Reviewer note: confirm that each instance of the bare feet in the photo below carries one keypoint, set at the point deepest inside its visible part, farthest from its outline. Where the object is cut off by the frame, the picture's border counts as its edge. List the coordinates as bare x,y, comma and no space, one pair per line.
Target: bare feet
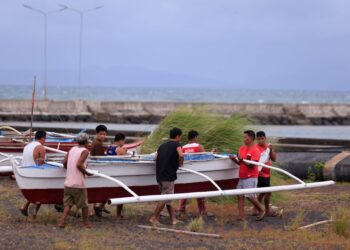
154,221
271,213
86,225
260,216
175,222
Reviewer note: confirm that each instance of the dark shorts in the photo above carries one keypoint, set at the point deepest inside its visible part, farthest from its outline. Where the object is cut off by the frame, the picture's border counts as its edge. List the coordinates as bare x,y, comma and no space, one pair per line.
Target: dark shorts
264,182
75,196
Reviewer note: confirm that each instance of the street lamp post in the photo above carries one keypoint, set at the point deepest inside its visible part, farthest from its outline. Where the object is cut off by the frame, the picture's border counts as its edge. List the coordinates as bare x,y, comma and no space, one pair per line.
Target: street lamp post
45,14
81,14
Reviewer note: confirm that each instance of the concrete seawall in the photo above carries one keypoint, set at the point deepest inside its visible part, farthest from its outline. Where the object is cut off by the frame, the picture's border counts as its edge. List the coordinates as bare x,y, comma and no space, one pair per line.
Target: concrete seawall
152,112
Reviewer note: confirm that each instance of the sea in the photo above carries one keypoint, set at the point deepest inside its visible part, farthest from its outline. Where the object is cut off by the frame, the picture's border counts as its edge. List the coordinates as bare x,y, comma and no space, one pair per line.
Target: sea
206,95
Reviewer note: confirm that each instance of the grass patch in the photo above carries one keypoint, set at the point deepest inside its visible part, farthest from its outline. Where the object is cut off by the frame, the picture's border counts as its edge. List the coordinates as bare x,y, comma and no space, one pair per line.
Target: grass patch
341,222
296,222
196,225
224,133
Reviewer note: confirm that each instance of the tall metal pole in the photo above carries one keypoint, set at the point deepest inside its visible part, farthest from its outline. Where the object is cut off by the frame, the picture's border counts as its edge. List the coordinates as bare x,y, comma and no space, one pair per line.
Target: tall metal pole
80,51
45,56
32,111
45,39
81,14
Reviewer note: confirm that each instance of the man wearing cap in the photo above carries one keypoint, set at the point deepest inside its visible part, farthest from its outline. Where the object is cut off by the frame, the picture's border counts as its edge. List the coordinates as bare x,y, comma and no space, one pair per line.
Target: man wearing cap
75,192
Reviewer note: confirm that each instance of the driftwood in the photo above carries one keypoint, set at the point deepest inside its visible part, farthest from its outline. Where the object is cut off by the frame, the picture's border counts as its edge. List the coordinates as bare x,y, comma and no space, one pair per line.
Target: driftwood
181,231
316,224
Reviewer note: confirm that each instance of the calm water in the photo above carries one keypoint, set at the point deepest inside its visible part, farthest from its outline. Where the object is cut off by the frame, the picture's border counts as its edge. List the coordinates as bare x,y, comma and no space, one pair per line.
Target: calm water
179,95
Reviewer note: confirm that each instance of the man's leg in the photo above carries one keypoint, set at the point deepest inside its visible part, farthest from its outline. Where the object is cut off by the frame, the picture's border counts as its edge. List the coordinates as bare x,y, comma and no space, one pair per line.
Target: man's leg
201,206
24,209
85,212
64,216
37,208
155,217
257,205
119,211
173,219
240,203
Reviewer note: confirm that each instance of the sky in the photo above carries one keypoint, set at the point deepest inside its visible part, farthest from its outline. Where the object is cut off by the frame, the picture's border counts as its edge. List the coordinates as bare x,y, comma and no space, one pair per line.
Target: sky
243,44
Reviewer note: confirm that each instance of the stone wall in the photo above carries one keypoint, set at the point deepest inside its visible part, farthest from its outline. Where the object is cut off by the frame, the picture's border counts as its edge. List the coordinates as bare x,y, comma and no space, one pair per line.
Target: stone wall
152,112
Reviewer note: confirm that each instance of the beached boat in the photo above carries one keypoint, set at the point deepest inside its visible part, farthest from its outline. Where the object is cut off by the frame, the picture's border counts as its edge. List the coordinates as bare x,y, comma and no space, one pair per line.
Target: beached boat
45,184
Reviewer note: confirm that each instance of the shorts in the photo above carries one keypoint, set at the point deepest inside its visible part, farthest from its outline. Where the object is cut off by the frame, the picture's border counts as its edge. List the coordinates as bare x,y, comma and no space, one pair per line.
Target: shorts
264,182
248,183
166,187
75,196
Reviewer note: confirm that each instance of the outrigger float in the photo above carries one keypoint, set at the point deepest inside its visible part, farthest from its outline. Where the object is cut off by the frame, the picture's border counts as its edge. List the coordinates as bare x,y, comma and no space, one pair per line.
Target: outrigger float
130,179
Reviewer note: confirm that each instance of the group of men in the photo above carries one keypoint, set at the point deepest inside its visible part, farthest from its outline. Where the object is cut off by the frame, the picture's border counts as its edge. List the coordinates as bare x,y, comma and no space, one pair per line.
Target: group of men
169,157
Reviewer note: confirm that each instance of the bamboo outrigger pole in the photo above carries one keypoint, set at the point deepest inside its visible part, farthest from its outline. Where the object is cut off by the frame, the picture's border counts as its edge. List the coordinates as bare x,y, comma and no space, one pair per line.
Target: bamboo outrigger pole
32,112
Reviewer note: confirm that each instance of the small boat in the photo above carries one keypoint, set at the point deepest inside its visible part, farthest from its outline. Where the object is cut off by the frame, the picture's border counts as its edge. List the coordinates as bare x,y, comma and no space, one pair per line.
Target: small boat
44,184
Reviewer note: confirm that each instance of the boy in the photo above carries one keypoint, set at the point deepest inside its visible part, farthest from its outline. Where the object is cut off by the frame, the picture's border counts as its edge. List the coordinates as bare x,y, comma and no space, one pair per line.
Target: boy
264,174
193,146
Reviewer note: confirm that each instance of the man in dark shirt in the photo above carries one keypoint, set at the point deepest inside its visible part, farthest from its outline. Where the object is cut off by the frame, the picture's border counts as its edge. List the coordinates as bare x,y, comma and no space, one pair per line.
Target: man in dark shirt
97,149
169,159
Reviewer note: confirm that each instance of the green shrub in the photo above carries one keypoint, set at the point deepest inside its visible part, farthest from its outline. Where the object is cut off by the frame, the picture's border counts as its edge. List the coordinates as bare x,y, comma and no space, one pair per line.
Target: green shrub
224,133
315,172
341,222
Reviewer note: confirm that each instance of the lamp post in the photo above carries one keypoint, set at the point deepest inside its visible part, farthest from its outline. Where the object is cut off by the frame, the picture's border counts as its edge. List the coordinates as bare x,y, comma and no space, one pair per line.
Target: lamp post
45,14
81,14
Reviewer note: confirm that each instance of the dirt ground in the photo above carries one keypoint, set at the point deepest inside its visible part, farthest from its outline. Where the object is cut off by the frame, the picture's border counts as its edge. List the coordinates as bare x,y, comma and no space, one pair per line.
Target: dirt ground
300,208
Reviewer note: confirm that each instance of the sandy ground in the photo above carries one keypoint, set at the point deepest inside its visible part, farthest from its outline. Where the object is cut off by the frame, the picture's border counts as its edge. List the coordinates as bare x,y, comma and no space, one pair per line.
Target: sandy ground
301,208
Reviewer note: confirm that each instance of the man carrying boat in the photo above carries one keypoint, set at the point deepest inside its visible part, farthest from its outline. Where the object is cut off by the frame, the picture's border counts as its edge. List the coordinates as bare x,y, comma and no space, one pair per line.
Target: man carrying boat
75,192
118,149
268,153
248,174
97,149
169,159
34,155
193,147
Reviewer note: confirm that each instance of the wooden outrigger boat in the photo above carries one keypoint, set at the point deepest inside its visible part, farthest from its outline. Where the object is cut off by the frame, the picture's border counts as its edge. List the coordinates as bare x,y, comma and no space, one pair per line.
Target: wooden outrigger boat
128,180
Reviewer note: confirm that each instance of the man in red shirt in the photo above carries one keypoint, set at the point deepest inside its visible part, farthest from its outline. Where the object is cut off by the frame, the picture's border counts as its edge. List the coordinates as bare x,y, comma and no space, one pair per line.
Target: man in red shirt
267,153
193,146
248,174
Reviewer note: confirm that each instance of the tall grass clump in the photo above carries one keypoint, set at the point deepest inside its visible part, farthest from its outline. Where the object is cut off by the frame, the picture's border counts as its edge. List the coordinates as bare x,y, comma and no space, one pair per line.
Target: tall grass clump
341,222
196,225
224,133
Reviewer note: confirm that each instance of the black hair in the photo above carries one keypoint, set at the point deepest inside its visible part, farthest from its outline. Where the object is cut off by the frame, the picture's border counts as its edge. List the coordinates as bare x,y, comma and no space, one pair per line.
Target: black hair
175,132
260,134
250,133
119,137
40,134
101,128
192,134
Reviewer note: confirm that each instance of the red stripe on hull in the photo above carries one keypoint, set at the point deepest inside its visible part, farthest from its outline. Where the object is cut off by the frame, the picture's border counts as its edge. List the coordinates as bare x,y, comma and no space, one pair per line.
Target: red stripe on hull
96,195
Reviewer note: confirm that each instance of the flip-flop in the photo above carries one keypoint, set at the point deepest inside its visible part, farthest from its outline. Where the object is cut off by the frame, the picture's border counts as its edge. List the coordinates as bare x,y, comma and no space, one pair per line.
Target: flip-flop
61,226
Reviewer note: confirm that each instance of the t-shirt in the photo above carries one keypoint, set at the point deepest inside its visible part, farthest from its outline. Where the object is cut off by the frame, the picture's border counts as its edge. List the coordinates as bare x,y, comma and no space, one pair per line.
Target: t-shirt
244,170
111,150
191,148
167,161
97,148
264,172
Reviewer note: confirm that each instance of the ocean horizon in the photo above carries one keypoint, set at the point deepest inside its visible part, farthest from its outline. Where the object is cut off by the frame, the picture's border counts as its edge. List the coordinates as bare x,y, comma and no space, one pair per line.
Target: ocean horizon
169,94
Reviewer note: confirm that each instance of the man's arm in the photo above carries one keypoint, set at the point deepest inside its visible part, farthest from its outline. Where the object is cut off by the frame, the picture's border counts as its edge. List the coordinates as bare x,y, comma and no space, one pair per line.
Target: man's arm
39,154
80,165
201,148
181,156
121,151
65,161
273,155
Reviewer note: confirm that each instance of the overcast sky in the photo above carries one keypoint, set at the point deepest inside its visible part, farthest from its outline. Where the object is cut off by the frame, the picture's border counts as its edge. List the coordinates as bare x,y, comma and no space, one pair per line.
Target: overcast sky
274,44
